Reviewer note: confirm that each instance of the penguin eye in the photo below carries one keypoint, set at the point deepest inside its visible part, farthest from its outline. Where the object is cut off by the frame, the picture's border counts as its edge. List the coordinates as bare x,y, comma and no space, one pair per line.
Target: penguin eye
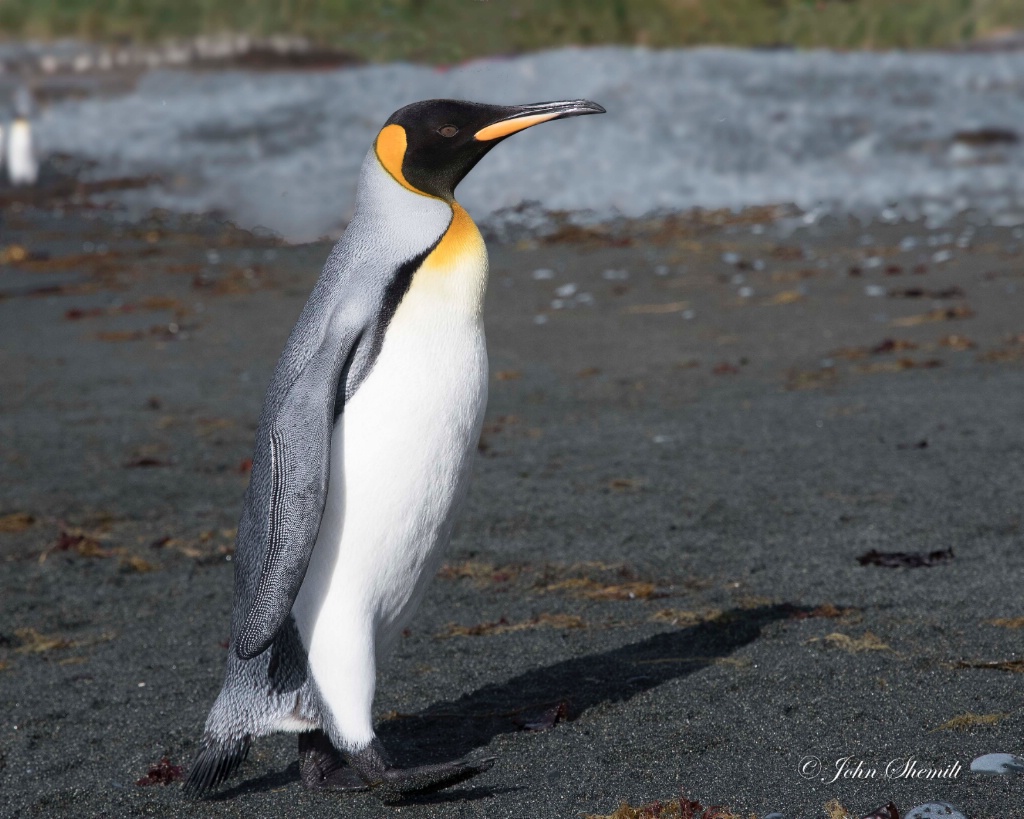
447,130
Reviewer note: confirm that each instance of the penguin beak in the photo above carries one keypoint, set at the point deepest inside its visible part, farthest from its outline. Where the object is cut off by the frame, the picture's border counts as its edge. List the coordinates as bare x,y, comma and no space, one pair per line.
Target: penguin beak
523,116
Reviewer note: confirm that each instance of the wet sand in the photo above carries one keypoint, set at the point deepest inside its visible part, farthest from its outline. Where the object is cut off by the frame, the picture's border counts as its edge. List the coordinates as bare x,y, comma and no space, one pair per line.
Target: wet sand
660,549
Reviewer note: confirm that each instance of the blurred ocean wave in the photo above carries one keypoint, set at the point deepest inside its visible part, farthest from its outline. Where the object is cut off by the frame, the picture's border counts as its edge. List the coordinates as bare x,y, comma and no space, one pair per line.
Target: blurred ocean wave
897,135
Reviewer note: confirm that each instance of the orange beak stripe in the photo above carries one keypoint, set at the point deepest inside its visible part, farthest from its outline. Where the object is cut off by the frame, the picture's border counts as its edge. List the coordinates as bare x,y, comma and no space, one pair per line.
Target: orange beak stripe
511,126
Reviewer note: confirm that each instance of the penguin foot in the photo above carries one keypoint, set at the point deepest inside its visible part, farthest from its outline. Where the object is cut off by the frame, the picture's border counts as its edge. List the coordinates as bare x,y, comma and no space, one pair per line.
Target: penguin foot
322,766
392,784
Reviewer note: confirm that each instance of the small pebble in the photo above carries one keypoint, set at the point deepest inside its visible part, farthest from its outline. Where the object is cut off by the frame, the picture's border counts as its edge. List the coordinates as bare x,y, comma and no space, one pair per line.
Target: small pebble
565,291
540,319
941,256
874,290
543,273
934,810
731,258
998,764
746,292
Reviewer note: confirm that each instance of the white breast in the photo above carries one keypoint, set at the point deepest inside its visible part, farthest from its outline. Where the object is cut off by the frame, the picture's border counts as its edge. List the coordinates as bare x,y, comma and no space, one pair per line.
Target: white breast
401,454
400,461
22,167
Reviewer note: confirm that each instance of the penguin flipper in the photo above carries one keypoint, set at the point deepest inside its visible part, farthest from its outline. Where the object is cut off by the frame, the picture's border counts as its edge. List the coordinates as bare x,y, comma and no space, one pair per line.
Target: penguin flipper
300,456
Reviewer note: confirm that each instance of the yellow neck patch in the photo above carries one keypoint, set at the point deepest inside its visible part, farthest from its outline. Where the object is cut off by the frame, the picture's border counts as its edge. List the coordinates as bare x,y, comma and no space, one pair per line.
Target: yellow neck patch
390,146
456,271
462,240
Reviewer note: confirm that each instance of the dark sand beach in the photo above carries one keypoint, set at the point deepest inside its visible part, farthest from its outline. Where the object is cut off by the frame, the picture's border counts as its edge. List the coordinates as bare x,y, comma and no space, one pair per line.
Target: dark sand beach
654,588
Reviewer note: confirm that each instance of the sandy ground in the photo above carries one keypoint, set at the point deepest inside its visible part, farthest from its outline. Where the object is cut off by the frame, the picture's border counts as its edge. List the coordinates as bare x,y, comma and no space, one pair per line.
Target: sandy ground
676,479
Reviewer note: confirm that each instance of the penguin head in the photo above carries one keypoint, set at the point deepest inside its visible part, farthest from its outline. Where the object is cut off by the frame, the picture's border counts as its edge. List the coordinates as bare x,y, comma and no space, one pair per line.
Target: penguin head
23,103
430,146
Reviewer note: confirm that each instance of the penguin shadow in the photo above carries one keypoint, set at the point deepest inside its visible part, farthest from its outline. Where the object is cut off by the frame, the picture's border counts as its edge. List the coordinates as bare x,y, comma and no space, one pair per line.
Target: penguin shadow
268,782
543,696
287,777
465,794
565,690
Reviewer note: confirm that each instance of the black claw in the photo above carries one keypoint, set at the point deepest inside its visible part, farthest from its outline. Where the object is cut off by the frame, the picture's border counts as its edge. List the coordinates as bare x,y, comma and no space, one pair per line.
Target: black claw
401,782
323,767
392,784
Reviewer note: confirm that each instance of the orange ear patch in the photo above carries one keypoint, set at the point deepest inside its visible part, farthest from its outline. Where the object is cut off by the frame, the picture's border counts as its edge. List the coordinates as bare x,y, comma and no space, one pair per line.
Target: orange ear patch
390,146
510,126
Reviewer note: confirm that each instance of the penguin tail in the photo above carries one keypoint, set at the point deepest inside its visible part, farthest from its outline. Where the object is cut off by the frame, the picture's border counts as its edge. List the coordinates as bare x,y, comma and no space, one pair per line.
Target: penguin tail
216,761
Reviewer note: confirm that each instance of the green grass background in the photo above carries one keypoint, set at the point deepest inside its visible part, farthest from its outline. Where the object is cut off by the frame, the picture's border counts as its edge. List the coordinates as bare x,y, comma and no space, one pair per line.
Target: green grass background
452,30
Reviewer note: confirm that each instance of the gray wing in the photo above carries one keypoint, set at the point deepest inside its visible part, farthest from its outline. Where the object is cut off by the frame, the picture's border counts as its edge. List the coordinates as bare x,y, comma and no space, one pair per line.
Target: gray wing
288,489
329,352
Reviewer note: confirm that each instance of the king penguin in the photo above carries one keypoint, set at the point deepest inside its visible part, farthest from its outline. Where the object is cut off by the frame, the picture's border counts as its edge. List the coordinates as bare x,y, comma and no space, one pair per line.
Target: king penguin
22,164
362,459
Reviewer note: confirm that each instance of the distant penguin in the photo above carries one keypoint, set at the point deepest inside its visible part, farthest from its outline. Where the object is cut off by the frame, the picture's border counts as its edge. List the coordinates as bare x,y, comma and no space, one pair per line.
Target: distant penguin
22,164
362,459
